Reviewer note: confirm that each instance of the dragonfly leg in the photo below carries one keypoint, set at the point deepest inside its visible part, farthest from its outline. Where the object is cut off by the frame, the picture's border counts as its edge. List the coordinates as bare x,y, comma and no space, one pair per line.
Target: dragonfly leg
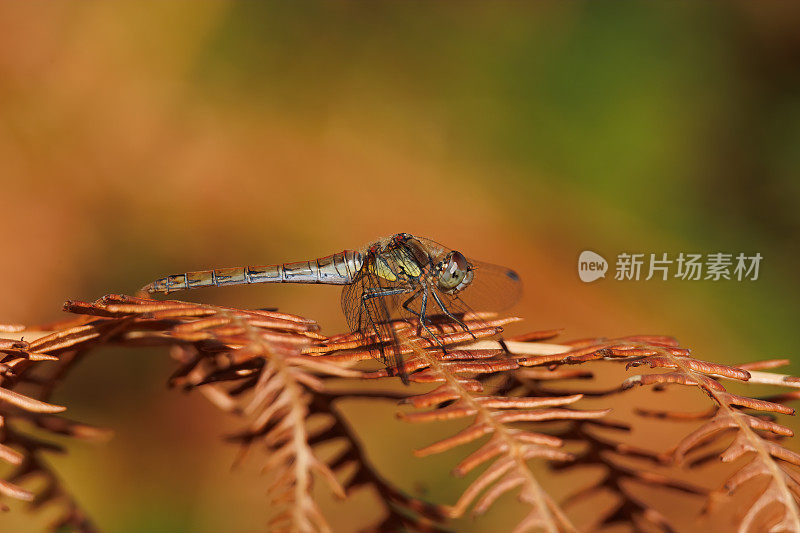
383,292
450,315
411,298
423,319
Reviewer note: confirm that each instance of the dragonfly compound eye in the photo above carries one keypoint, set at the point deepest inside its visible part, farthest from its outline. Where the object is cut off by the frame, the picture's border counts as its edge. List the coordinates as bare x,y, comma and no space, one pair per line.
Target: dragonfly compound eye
456,273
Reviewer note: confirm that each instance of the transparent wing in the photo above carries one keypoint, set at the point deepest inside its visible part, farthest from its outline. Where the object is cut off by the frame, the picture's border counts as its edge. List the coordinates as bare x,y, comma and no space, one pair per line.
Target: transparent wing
494,288
371,316
351,305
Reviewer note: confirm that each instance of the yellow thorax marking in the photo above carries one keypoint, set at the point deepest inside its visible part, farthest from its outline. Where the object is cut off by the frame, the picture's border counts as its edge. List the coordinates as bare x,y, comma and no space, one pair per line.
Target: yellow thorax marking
381,269
409,263
380,266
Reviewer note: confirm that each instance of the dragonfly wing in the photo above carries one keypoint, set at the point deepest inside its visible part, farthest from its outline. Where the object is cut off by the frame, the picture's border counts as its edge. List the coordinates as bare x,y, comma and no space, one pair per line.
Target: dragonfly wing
371,317
493,288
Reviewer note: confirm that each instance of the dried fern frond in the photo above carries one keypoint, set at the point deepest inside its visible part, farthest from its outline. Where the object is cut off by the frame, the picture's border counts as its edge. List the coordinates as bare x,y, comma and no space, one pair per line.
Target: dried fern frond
254,363
753,433
21,365
460,395
603,445
257,364
769,457
277,371
509,448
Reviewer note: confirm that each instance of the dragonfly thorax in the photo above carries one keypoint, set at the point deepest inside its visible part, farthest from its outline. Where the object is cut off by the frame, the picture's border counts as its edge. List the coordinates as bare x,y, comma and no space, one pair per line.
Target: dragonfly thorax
404,259
395,263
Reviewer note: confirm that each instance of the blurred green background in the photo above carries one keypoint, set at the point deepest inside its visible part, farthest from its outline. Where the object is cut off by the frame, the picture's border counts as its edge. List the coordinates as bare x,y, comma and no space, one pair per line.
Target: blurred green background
141,139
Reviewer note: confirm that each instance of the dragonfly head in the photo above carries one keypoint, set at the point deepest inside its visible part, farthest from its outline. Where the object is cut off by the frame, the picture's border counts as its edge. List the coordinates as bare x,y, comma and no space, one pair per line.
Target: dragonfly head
455,273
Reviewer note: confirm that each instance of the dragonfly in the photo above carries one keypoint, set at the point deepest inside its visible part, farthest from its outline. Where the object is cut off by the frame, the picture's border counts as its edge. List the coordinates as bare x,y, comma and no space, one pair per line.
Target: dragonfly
399,277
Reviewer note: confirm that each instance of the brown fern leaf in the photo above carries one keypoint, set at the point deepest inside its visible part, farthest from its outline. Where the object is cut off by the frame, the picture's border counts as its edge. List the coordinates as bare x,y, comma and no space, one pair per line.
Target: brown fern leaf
509,448
607,452
31,467
458,370
770,457
20,361
279,410
264,350
610,453
264,365
403,511
354,347
277,371
753,434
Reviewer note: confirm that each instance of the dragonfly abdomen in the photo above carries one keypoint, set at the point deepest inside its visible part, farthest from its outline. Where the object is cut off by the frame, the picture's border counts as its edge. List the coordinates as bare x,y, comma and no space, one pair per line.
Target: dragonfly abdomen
336,269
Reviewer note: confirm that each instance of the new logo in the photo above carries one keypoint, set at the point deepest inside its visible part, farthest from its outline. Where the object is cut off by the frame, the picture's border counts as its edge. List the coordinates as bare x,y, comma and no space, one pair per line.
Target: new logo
591,266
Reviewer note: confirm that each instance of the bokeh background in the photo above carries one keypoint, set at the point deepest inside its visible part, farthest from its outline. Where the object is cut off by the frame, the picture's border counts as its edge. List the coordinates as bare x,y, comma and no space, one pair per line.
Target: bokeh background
141,139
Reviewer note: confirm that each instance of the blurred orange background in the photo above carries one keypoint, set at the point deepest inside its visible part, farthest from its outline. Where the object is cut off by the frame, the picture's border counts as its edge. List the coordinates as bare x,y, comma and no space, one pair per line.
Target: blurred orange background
143,139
